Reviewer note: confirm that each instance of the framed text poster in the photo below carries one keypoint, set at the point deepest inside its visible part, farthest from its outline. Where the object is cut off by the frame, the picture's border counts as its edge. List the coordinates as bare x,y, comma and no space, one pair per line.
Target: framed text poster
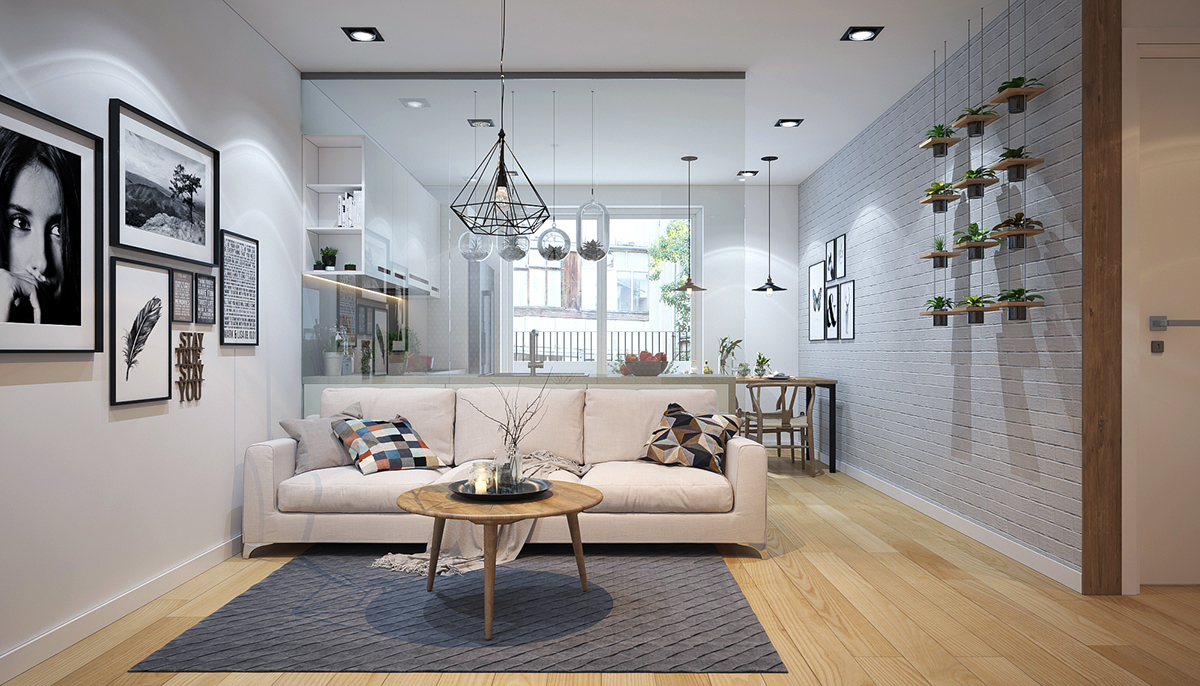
239,289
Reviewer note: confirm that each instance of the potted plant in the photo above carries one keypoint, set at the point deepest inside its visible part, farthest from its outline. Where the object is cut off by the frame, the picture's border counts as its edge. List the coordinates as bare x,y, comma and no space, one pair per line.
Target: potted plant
975,180
1017,162
349,267
399,346
329,257
975,118
940,194
939,253
939,307
1018,301
743,369
975,306
974,239
761,363
318,266
941,137
332,353
1023,87
1016,228
727,348
364,359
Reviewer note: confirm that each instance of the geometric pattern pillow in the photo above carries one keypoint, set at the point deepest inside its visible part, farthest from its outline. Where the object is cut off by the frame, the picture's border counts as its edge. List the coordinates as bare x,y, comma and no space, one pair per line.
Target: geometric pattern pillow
691,440
377,446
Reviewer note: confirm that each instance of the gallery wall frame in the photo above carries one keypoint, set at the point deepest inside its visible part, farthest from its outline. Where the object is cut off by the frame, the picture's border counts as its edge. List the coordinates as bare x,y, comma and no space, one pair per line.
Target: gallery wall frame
831,259
816,302
140,328
206,299
839,248
182,296
239,289
833,312
164,187
846,300
51,280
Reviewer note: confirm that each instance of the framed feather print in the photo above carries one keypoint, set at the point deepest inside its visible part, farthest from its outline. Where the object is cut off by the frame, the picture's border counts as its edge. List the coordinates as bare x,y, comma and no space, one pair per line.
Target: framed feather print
140,325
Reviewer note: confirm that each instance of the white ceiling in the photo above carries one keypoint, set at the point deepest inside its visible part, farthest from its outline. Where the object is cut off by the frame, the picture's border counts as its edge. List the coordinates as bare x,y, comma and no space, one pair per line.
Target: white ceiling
795,65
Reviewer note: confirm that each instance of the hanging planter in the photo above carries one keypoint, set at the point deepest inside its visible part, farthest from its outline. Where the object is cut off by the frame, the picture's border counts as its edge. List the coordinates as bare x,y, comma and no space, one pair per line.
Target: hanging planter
940,140
1016,163
592,246
473,247
940,195
1017,93
975,180
554,244
974,306
940,309
974,239
975,119
1016,228
513,248
1018,301
939,253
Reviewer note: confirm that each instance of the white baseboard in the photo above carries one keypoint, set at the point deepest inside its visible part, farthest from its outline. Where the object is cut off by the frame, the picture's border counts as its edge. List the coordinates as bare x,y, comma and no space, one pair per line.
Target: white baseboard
1036,561
38,649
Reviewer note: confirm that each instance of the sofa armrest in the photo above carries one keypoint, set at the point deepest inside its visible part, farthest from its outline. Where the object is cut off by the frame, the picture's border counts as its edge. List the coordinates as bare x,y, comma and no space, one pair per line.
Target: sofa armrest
746,469
266,466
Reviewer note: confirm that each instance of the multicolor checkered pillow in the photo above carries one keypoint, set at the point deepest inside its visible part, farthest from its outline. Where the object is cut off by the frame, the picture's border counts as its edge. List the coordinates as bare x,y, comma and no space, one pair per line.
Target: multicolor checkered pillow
691,440
377,446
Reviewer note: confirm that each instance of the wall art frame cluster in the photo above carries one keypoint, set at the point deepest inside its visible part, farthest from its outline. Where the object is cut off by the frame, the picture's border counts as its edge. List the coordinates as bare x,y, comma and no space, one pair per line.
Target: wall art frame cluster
830,305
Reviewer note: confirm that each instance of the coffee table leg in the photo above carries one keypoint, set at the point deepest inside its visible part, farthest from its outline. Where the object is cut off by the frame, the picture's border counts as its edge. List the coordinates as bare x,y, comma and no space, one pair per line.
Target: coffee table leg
439,525
573,524
489,576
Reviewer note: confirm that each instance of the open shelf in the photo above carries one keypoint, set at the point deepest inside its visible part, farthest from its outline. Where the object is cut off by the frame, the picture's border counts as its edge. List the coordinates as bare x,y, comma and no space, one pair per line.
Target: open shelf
335,230
941,253
1017,232
933,198
977,244
930,142
1027,161
966,183
334,187
1003,96
984,119
1020,303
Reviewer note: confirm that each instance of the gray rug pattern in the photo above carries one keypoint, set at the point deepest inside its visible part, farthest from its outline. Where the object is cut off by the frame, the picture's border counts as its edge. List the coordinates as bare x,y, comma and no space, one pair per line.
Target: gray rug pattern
650,608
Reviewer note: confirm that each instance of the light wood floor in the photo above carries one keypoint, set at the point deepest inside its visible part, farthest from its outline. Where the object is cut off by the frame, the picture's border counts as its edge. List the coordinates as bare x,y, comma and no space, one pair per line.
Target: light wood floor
855,588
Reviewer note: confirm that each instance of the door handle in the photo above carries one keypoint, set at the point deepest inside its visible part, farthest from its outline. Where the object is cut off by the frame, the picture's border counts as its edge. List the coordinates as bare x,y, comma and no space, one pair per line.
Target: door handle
1161,323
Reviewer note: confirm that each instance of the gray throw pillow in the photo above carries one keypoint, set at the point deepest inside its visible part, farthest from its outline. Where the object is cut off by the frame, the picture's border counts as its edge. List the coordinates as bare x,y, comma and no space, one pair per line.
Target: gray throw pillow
318,447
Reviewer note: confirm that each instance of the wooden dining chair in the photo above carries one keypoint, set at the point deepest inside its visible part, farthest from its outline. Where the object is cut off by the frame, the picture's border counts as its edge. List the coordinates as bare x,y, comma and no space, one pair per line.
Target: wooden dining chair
782,419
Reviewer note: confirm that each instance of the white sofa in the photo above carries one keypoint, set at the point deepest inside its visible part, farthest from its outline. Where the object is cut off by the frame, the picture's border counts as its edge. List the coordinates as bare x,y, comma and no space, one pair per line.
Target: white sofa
644,502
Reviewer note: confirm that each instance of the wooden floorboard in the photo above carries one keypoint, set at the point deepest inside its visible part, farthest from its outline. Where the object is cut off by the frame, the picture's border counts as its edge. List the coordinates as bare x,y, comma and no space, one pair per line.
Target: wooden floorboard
854,589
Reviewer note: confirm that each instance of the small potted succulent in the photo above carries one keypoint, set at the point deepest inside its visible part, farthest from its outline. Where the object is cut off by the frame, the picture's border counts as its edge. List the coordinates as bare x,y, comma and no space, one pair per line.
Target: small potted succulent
328,258
974,239
939,253
975,180
975,118
939,307
318,266
941,137
940,195
1023,88
1016,228
1018,301
349,267
1017,162
975,306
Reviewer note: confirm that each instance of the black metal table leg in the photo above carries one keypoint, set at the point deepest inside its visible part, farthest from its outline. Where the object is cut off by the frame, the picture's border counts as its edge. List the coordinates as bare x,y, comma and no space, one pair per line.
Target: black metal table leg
832,427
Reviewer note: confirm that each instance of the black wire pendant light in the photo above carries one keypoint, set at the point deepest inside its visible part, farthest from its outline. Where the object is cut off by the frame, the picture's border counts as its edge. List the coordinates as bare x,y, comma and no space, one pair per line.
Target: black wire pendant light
496,209
689,286
769,287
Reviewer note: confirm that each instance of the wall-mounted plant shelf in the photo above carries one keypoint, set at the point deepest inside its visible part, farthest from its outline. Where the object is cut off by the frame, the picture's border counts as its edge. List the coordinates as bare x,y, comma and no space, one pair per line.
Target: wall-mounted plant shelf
974,187
940,146
974,314
939,257
941,203
940,317
1018,309
1016,237
1017,167
1016,98
975,123
975,248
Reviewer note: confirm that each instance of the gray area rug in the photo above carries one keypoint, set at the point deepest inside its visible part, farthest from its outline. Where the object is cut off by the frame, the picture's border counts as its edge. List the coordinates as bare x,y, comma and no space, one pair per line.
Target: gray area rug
650,608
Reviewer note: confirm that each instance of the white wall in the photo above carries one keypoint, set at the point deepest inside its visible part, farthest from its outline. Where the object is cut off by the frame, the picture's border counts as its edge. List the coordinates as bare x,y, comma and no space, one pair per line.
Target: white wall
102,509
772,327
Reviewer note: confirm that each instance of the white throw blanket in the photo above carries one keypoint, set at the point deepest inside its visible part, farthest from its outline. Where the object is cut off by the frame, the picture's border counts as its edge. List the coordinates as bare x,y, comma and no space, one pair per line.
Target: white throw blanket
462,541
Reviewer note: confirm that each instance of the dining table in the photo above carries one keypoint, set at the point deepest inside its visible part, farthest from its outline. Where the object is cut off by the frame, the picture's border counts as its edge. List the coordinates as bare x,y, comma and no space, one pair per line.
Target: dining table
811,382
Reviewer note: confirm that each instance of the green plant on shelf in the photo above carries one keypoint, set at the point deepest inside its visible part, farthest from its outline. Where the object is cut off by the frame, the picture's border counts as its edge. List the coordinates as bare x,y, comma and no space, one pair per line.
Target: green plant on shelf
1018,221
939,244
984,111
1020,82
980,173
976,301
973,234
1014,153
939,303
939,188
726,347
329,252
941,131
1019,295
761,364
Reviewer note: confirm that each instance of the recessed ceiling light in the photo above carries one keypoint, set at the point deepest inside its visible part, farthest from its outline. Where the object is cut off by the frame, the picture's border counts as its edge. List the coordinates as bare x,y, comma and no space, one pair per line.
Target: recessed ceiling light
745,174
862,33
415,103
788,123
363,34
481,123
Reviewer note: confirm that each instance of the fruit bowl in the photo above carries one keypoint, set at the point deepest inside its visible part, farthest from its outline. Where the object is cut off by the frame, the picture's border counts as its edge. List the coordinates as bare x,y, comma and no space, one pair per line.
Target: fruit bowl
651,368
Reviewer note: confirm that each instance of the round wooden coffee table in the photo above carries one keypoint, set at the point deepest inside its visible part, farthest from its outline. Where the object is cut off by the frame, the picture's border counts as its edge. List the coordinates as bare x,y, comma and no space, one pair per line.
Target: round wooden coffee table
439,502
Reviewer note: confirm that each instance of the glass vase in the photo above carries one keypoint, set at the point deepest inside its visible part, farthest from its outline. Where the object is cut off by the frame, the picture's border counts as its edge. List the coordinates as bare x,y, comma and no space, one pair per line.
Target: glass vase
508,469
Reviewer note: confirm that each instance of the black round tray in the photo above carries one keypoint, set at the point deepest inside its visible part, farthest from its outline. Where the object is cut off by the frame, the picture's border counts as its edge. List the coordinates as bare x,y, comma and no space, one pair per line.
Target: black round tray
528,489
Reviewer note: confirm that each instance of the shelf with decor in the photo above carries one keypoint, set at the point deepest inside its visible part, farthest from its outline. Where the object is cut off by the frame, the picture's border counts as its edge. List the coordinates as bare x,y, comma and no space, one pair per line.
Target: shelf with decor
1017,167
975,123
939,145
939,257
1017,92
975,186
940,201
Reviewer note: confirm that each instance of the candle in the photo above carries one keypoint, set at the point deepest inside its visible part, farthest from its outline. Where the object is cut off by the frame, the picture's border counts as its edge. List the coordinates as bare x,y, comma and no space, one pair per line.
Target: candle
481,482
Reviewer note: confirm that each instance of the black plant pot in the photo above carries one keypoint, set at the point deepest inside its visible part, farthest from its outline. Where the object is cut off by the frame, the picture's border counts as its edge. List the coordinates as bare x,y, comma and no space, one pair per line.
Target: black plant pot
974,129
940,149
1017,172
975,253
318,266
1018,314
1016,241
939,262
941,206
941,320
1016,104
975,191
349,267
328,260
975,317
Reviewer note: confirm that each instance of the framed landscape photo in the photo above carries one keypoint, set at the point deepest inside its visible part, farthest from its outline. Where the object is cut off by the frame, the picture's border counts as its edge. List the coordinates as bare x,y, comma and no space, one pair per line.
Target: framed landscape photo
816,302
833,312
163,187
182,299
206,299
239,289
51,254
846,323
839,249
140,363
831,259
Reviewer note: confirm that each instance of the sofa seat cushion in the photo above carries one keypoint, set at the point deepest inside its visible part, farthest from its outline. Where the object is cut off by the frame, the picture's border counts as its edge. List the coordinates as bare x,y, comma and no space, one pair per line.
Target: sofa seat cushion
345,489
650,487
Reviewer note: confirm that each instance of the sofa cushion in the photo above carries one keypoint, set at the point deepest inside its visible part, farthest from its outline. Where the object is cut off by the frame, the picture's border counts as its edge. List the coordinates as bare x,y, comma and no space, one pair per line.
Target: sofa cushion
345,489
429,410
558,428
618,422
317,446
651,487
378,446
691,440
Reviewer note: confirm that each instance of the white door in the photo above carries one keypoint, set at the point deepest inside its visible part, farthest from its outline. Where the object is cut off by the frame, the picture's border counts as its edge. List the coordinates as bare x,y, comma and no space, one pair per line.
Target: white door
1168,283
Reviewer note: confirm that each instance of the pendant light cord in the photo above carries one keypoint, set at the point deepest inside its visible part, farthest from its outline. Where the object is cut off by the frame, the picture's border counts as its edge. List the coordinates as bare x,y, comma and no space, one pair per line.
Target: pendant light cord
553,153
503,18
769,220
593,146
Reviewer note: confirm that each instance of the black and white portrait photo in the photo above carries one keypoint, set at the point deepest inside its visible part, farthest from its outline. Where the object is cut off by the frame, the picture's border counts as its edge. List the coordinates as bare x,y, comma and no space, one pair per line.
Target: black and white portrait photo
816,302
846,325
48,242
164,187
839,249
833,312
140,319
831,260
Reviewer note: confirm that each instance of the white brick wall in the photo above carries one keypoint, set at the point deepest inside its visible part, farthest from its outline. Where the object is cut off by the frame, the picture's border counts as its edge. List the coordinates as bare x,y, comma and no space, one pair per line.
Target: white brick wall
983,420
